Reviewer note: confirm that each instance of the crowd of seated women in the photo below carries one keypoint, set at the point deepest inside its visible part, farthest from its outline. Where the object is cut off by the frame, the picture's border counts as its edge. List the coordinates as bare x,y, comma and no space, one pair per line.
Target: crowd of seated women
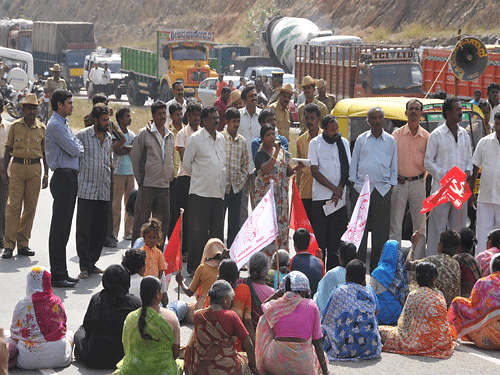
245,326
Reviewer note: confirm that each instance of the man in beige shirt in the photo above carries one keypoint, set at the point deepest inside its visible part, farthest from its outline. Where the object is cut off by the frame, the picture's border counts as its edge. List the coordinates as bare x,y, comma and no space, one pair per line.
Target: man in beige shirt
4,186
411,140
308,87
312,115
53,83
283,117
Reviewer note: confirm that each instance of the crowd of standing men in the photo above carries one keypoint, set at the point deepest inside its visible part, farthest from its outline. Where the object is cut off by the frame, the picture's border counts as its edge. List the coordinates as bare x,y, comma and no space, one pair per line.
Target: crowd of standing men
203,161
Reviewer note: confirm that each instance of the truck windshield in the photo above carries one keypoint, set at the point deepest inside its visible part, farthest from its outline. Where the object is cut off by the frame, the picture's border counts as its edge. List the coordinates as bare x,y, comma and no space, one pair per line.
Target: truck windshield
76,58
184,53
114,67
396,78
13,63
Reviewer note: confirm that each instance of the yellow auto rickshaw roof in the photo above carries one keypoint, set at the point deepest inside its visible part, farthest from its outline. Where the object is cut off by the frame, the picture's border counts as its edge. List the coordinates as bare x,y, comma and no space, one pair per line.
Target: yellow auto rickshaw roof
394,107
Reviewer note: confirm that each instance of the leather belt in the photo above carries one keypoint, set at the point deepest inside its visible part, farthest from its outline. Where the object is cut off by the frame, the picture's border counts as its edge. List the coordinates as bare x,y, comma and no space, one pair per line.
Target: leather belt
414,177
26,161
66,170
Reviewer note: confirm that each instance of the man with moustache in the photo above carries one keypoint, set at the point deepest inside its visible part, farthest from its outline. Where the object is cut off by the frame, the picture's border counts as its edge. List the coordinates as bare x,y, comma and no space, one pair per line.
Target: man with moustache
493,101
178,91
94,191
153,164
249,129
308,88
312,115
448,146
280,108
411,140
375,154
221,105
26,144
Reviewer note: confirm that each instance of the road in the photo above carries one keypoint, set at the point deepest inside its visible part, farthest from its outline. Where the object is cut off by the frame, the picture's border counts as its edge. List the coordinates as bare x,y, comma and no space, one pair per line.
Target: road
467,359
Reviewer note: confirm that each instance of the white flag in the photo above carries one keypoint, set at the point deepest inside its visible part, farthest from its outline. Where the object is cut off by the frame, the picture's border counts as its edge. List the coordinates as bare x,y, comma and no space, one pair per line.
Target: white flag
259,230
356,228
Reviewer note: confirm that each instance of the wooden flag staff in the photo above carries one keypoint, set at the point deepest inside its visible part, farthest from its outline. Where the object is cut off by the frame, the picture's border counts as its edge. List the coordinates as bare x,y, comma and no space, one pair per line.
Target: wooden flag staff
180,254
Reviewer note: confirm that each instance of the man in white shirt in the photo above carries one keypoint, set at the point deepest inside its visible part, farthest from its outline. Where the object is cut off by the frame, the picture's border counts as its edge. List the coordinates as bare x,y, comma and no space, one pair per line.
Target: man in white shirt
106,79
330,158
249,129
178,91
487,157
95,78
204,160
448,146
493,100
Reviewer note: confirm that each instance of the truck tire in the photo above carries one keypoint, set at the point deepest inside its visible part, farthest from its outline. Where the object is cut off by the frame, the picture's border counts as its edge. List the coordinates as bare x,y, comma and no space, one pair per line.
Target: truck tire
131,92
166,93
140,99
117,94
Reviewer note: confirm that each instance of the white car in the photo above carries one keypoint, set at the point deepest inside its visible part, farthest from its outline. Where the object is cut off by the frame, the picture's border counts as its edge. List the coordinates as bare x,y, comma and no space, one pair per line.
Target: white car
208,87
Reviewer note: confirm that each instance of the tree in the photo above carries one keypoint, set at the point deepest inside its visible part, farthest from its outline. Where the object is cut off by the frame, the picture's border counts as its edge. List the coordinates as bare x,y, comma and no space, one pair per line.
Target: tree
256,18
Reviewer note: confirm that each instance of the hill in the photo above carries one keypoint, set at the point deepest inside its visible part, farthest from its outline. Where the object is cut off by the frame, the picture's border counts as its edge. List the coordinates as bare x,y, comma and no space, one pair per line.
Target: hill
134,22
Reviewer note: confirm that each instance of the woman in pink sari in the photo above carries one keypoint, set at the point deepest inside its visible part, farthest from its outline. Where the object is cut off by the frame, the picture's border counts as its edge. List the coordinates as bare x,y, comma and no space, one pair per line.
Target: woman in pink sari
477,319
38,330
492,248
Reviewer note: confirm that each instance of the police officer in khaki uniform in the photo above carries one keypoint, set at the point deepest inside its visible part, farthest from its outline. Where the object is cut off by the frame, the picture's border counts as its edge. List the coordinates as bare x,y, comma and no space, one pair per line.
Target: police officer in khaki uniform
54,83
26,145
276,82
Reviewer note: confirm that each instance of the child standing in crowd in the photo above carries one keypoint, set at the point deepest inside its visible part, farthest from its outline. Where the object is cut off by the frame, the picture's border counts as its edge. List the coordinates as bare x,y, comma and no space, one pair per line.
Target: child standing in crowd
283,268
155,263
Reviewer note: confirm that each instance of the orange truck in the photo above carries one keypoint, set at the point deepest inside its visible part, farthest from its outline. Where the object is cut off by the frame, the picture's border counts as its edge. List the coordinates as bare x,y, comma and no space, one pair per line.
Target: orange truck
361,70
433,60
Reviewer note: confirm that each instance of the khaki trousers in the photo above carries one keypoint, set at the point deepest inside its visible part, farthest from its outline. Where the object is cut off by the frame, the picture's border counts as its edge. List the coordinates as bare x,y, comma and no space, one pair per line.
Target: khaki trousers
123,186
24,188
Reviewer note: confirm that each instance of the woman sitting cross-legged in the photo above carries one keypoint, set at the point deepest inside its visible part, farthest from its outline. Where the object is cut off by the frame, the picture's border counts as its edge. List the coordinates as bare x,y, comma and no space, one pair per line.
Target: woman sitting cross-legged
38,330
423,327
288,338
98,342
349,323
389,283
477,318
151,336
211,347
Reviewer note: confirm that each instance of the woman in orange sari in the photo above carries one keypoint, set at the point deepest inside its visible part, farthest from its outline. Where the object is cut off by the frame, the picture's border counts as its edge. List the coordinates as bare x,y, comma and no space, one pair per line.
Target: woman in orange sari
477,318
211,347
423,327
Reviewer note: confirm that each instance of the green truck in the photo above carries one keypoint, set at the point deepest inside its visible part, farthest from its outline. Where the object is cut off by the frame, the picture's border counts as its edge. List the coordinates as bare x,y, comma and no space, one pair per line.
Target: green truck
222,56
181,55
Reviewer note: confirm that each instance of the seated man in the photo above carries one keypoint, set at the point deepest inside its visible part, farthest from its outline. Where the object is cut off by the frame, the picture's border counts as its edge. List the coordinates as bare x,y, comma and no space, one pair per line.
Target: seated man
304,261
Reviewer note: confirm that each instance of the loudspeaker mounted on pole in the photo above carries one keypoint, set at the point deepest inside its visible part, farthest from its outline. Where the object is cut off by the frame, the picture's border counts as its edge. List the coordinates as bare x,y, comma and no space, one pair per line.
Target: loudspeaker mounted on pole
469,59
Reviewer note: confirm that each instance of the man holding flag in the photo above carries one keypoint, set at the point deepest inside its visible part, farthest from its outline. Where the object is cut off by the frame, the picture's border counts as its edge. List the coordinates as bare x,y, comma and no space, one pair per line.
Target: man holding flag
330,159
448,146
375,155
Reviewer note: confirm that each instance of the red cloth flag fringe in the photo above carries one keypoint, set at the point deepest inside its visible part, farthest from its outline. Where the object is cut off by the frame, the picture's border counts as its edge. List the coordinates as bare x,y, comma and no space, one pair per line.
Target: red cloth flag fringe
299,219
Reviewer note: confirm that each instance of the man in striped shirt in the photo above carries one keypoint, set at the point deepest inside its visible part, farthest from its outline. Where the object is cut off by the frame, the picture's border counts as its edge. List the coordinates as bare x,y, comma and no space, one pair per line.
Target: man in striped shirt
94,191
236,172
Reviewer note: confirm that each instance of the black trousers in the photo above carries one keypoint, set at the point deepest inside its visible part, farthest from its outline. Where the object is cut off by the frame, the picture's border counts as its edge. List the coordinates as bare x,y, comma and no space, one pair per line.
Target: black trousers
174,206
328,230
379,223
91,231
182,196
63,187
308,207
206,220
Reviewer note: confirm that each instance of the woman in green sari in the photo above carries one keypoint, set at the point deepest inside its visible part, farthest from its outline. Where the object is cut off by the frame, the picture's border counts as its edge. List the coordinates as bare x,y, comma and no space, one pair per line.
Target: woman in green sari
151,336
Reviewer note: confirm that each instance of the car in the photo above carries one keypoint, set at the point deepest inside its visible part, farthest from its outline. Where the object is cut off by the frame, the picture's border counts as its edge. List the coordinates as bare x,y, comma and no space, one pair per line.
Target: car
208,88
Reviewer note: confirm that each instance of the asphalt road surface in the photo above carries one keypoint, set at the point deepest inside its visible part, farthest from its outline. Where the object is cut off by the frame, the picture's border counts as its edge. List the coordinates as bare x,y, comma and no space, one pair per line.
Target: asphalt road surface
467,359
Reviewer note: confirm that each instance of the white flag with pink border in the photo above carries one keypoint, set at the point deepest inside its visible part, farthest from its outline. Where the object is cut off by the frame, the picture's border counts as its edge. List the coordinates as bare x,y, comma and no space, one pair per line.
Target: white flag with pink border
356,228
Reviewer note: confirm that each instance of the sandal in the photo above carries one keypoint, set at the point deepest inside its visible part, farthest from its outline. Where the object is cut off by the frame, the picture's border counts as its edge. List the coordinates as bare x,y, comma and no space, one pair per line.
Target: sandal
83,275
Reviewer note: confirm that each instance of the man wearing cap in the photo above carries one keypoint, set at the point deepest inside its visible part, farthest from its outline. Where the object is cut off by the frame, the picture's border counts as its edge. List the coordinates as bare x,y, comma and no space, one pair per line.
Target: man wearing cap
26,144
54,83
276,83
283,116
308,87
235,100
327,99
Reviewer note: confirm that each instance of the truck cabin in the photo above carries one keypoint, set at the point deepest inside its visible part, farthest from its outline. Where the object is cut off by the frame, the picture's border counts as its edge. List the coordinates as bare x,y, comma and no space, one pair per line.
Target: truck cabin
388,71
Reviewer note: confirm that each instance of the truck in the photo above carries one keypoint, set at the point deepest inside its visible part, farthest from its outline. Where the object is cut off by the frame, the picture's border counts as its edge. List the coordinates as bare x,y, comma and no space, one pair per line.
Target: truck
181,55
64,43
433,60
361,70
117,85
16,34
222,56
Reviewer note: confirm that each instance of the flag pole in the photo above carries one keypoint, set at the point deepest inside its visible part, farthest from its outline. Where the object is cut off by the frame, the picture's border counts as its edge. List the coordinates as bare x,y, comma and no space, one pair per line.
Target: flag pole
290,212
277,259
180,254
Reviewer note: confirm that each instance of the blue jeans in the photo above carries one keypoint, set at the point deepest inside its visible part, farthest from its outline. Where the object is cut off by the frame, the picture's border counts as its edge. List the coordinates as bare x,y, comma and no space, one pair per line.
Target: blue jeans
232,204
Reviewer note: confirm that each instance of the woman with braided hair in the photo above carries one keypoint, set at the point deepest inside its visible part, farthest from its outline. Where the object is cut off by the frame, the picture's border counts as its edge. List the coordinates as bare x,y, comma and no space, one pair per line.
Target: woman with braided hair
151,335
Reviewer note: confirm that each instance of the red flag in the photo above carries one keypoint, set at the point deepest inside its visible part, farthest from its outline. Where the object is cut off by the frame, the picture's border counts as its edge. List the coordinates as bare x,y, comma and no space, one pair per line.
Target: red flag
433,200
299,219
458,191
172,253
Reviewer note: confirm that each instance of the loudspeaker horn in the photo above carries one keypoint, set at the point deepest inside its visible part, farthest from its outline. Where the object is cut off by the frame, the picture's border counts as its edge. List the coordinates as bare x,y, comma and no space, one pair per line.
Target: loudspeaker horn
469,59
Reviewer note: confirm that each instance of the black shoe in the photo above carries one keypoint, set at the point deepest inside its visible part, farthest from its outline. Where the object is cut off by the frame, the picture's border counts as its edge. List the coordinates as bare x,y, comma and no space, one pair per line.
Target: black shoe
63,284
72,279
1,242
7,253
26,251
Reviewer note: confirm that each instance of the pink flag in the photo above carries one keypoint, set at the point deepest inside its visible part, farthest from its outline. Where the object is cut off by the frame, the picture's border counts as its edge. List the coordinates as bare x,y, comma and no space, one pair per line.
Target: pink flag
259,230
356,228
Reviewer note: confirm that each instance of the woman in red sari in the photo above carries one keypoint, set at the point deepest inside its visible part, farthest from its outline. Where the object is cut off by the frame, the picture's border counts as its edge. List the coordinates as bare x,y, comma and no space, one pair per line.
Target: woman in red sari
211,348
